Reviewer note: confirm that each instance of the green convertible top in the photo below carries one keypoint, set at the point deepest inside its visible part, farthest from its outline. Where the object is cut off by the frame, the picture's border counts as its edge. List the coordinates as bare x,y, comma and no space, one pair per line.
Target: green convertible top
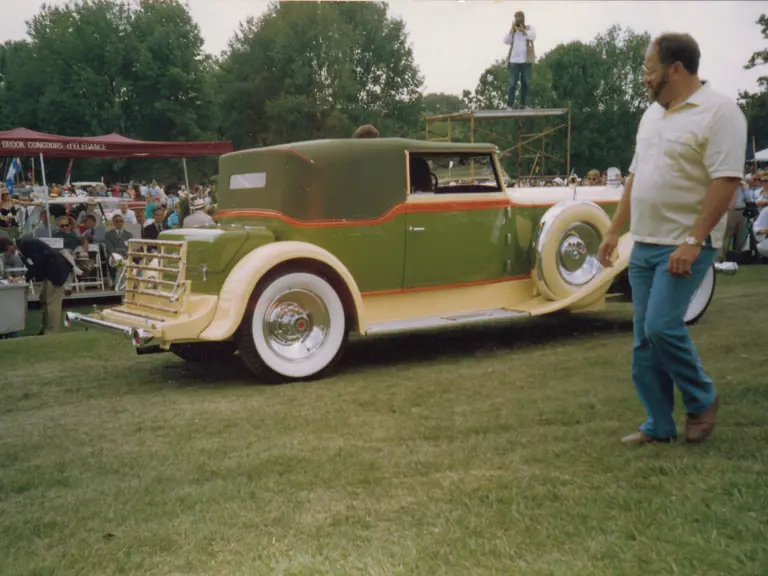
347,178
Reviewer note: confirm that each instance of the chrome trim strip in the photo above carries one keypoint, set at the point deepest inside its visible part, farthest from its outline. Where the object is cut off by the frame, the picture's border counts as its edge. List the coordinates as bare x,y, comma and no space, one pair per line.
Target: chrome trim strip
444,321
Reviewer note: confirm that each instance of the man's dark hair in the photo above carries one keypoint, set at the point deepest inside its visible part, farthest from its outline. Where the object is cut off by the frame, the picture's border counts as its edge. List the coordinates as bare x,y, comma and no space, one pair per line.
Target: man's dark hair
681,48
90,217
366,131
157,209
5,243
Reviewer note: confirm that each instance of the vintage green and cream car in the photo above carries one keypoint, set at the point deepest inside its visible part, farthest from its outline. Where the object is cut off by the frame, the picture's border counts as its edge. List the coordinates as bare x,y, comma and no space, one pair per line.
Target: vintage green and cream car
317,240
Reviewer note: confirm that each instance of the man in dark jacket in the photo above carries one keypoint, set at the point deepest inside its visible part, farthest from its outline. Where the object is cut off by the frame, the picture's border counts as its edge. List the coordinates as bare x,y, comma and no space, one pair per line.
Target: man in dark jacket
44,264
152,229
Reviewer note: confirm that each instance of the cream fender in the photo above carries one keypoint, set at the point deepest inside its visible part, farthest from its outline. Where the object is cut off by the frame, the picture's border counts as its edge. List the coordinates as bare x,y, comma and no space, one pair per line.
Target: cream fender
239,285
588,294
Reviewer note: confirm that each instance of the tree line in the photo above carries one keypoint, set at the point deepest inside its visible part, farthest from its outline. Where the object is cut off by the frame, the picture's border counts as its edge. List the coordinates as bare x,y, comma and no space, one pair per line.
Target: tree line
300,71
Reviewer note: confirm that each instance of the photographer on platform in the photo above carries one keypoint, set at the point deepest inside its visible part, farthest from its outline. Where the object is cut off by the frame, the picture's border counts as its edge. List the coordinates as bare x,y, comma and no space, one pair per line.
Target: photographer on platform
520,59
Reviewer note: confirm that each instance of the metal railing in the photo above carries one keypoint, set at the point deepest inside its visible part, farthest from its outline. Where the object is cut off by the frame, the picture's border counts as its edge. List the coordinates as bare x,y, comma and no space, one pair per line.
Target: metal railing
154,276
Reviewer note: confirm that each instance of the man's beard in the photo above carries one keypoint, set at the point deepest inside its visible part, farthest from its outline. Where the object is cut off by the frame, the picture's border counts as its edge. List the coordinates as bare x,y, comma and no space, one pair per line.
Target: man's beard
656,90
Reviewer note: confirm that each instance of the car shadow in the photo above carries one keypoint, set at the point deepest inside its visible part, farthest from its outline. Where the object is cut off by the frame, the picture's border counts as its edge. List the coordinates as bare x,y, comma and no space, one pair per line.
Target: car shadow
414,348
369,353
231,372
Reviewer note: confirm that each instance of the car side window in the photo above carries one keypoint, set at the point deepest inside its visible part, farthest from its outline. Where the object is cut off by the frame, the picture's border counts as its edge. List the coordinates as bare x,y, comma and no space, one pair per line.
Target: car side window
453,173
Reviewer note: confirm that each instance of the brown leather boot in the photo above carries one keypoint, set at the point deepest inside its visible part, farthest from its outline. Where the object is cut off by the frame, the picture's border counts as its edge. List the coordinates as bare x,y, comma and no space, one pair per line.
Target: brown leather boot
698,427
642,438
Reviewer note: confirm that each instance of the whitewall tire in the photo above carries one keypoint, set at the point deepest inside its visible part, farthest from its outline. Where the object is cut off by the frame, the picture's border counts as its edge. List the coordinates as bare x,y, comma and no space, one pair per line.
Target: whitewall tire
701,298
295,327
566,243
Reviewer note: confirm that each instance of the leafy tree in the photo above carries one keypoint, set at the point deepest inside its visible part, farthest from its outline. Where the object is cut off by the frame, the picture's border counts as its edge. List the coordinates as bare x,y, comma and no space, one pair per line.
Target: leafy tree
623,97
440,103
755,105
101,66
317,70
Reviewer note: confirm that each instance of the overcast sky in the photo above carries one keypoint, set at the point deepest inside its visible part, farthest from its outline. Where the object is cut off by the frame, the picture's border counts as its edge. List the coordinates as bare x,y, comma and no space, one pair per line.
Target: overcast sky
454,41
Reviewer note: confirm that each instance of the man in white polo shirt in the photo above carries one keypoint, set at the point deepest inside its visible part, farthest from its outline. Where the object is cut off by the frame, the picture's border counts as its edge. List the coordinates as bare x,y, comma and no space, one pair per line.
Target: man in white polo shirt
689,158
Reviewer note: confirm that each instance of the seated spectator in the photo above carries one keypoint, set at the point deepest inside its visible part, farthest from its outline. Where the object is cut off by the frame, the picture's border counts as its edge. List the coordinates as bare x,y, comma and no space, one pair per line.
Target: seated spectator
592,178
198,217
116,241
154,225
90,210
761,223
8,210
129,216
149,209
761,196
172,221
90,231
66,232
10,260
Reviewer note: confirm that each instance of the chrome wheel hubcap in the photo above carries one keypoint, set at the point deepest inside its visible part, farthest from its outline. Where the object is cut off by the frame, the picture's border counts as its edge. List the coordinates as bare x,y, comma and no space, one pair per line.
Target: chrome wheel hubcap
296,325
577,260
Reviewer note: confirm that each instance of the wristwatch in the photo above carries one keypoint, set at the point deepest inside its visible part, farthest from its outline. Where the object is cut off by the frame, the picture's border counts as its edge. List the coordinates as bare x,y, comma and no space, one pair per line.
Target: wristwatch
691,241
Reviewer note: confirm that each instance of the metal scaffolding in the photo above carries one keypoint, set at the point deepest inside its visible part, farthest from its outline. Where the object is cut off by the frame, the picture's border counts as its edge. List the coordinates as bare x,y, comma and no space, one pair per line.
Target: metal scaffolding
520,143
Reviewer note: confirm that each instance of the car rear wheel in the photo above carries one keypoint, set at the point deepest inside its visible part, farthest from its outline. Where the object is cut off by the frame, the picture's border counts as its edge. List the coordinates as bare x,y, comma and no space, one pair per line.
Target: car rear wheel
701,298
204,351
294,328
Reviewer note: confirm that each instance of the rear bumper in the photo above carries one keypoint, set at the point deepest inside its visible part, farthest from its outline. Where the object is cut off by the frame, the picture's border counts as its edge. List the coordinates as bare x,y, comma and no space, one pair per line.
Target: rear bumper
139,337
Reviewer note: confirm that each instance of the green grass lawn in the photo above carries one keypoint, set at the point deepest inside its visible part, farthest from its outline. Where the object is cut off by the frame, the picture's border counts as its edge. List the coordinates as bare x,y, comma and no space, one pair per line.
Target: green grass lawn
485,451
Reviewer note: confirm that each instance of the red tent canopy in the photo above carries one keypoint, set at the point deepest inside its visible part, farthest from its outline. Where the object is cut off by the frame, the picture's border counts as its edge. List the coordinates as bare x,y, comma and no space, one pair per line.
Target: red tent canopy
23,142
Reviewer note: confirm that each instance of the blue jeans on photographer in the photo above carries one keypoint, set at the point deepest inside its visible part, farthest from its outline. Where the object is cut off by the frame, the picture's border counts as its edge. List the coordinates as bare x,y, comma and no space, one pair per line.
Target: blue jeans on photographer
518,72
663,353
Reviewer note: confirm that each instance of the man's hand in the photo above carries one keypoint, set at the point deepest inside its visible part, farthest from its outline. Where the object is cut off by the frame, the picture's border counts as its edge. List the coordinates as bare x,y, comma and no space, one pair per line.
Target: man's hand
680,260
607,248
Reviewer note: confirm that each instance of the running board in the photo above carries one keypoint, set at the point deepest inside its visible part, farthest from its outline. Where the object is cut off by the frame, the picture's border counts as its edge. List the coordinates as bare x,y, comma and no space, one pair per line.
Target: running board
444,321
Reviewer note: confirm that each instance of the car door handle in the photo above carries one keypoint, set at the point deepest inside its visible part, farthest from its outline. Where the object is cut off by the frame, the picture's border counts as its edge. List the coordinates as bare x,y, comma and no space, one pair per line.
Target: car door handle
415,228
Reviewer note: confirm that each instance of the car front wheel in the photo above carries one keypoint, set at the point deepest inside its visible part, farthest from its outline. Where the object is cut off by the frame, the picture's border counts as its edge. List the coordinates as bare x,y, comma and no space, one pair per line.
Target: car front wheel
294,328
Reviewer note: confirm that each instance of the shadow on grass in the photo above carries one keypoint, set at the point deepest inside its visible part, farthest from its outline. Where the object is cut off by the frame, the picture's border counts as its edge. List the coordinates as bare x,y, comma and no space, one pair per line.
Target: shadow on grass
425,347
363,354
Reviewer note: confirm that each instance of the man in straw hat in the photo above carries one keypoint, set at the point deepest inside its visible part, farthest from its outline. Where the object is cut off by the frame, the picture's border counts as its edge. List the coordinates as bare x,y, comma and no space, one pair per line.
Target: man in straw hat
198,217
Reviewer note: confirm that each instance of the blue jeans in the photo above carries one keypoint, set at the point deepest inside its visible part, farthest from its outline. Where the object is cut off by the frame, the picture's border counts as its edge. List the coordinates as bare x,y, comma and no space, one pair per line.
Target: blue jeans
521,72
663,353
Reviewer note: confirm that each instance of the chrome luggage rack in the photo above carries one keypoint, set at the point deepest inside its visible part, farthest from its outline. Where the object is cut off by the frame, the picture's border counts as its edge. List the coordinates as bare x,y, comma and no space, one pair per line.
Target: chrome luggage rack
154,276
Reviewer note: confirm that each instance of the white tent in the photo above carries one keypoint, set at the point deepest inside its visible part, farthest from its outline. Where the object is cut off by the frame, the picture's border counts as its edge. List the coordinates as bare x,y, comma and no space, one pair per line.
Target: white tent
761,156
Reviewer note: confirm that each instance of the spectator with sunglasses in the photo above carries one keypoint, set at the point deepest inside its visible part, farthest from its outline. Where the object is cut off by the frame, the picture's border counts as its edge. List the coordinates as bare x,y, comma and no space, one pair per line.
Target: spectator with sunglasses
116,240
65,231
592,178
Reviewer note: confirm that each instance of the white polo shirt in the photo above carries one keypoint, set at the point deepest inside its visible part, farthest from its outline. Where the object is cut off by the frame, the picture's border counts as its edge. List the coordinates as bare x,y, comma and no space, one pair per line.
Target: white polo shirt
677,154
